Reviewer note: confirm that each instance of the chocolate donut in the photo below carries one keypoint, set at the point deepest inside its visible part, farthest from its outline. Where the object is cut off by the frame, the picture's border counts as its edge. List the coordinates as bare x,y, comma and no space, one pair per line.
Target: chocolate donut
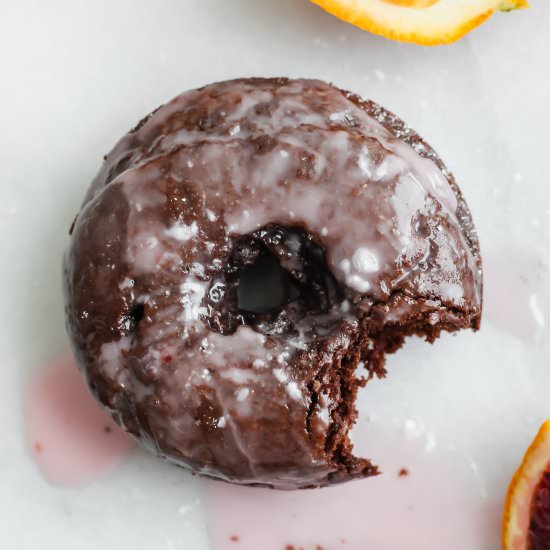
242,263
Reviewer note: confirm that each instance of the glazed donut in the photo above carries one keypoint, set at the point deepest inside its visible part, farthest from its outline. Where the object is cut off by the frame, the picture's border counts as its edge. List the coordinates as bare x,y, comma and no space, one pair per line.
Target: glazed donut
242,254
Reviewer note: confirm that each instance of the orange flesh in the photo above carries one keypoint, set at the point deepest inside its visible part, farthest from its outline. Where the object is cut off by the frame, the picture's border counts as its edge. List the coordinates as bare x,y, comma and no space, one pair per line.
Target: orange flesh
412,3
539,529
526,518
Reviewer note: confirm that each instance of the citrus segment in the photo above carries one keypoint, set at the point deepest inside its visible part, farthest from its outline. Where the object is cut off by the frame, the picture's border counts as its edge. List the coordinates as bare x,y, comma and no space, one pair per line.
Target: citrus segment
539,530
526,522
426,22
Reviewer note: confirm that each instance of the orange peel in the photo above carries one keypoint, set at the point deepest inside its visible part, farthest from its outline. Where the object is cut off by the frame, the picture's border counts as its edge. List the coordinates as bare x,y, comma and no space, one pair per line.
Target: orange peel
527,493
425,22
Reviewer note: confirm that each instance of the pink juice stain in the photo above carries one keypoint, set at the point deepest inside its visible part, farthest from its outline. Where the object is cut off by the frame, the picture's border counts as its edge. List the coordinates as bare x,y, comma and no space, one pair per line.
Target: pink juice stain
426,499
71,438
513,281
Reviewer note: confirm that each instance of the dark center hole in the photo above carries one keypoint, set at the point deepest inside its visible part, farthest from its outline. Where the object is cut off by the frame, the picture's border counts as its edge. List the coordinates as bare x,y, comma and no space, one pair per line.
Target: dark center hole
265,286
275,277
136,314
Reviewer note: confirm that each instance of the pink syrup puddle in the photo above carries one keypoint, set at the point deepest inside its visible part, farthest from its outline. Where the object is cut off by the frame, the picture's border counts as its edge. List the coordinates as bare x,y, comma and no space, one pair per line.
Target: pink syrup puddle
512,281
439,504
71,438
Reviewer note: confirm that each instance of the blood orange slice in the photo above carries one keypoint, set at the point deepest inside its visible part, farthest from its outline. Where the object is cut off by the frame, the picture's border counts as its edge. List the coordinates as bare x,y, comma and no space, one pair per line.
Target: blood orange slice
526,523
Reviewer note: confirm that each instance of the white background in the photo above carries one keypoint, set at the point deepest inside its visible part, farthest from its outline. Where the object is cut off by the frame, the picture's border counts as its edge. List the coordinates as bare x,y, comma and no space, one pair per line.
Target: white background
76,75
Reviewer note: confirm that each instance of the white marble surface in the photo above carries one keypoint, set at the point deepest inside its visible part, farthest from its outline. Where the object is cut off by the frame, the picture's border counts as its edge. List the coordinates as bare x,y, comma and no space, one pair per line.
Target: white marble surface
75,75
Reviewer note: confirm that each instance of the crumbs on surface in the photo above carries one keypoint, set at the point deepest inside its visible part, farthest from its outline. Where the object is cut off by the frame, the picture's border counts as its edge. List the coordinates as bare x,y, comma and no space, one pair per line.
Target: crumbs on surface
107,429
404,472
234,538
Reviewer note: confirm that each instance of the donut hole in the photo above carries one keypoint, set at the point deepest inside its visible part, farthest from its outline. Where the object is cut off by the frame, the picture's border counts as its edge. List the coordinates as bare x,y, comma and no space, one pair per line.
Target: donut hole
281,275
274,278
265,286
136,314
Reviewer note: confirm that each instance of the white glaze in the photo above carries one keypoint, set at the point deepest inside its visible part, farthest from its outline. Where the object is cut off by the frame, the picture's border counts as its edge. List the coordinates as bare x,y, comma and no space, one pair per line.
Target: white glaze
294,391
182,232
244,345
409,178
110,355
192,293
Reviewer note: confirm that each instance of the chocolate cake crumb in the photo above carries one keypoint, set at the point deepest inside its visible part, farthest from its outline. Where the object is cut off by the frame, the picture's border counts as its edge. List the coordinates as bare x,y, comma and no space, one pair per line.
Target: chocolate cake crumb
234,538
403,472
